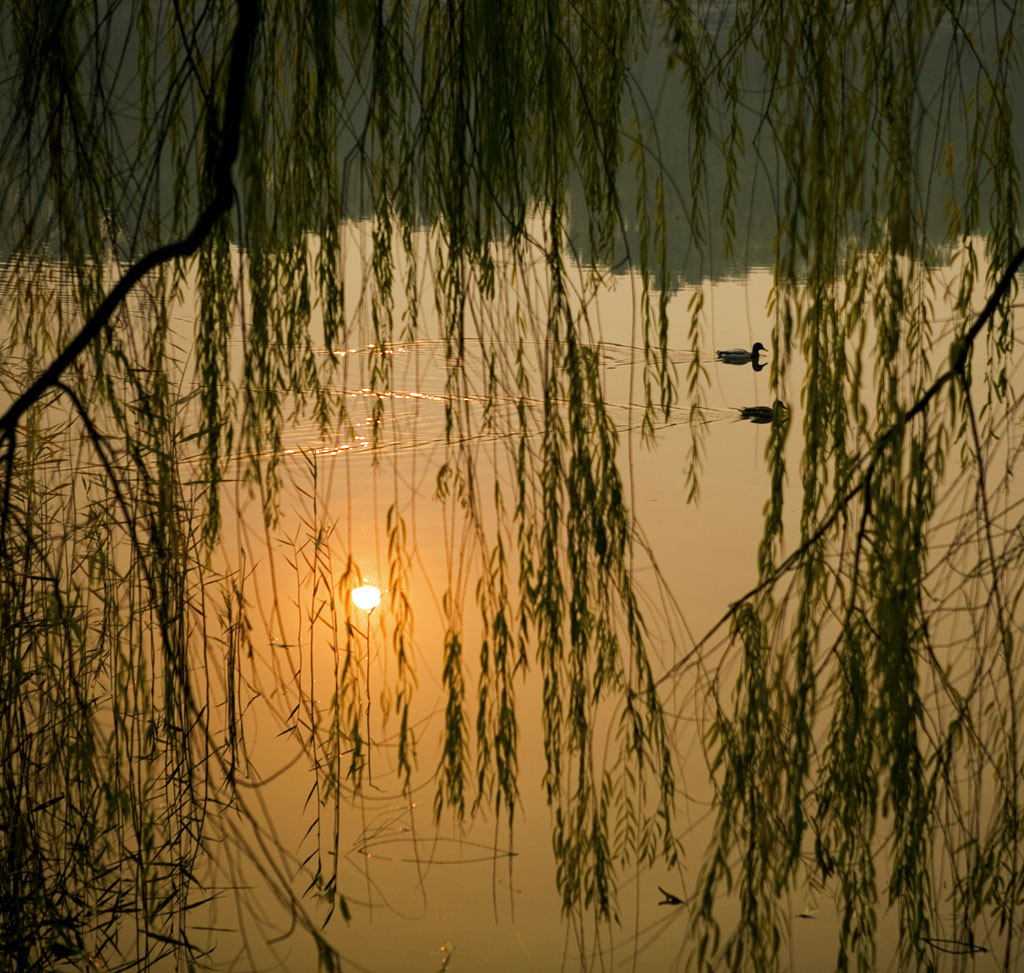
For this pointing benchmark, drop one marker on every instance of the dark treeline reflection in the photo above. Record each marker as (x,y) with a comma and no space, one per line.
(221,223)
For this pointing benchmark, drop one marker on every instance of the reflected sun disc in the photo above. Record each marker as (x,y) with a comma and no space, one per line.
(366,596)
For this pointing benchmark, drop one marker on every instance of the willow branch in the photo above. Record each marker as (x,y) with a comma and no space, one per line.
(957,368)
(221,201)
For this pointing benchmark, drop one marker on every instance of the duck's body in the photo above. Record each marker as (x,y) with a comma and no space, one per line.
(757,413)
(764,413)
(740,356)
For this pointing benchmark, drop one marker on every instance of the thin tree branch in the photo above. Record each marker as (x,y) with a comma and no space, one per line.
(958,366)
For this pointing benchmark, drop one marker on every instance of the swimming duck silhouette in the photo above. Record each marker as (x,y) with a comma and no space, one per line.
(740,356)
(757,413)
(762,414)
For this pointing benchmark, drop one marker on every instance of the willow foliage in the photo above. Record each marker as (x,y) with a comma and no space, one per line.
(151,150)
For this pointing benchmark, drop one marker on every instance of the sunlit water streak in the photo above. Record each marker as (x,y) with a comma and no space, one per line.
(414,419)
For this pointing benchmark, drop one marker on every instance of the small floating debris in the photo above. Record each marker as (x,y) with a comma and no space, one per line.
(669,898)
